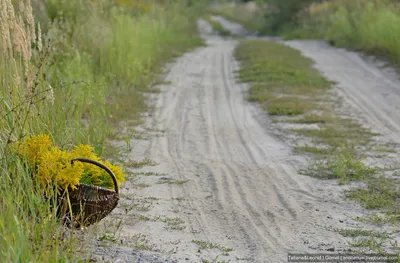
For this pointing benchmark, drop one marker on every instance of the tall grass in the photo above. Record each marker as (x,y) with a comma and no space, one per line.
(68,68)
(372,26)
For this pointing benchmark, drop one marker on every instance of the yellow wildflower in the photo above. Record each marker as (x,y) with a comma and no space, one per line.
(84,151)
(118,172)
(33,146)
(92,173)
(52,165)
(55,166)
(70,176)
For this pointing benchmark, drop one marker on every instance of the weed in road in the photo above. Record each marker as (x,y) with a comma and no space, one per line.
(179,198)
(171,181)
(348,232)
(344,167)
(141,185)
(175,223)
(137,204)
(215,260)
(381,192)
(370,243)
(314,150)
(142,163)
(141,242)
(144,218)
(209,245)
(149,173)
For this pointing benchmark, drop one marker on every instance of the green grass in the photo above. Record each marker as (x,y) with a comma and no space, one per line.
(380,192)
(345,167)
(95,66)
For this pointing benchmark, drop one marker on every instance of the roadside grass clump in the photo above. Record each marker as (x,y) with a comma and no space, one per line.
(319,151)
(141,242)
(174,223)
(344,167)
(165,180)
(380,192)
(349,232)
(73,70)
(369,244)
(364,239)
(142,163)
(388,217)
(214,260)
(217,27)
(210,245)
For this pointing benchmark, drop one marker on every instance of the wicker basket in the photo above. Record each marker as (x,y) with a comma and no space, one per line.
(88,204)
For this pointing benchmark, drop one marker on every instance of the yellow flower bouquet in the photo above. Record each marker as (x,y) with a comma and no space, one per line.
(83,181)
(51,165)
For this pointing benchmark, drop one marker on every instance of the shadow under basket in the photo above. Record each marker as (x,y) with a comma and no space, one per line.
(88,204)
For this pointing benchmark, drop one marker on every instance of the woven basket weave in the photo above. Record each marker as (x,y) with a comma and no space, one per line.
(88,204)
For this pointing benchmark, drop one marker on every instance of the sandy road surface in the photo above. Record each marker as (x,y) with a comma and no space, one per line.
(242,190)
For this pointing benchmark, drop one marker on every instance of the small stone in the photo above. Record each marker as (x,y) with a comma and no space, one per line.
(341,220)
(332,249)
(330,217)
(317,210)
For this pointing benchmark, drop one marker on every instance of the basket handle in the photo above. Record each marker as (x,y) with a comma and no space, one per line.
(85,160)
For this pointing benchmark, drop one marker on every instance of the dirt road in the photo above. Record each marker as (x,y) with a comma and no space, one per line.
(231,189)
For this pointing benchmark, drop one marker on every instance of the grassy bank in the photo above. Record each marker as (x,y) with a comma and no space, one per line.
(370,26)
(299,100)
(73,69)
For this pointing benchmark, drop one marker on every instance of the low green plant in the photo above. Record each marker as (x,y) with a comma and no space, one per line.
(210,245)
(345,167)
(347,232)
(381,192)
